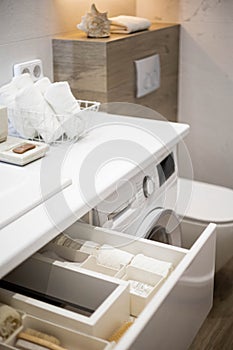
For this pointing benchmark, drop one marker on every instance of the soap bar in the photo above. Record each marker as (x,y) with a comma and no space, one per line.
(24,148)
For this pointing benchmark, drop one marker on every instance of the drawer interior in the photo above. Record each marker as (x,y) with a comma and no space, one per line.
(71,297)
(82,293)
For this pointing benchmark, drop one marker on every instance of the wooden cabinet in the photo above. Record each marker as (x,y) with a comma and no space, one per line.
(104,69)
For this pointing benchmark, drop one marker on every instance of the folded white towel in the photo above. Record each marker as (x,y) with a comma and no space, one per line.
(159,267)
(43,84)
(37,115)
(7,98)
(61,99)
(90,247)
(112,257)
(22,81)
(128,24)
(31,99)
(7,94)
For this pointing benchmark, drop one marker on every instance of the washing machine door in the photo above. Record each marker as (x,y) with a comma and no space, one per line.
(161,225)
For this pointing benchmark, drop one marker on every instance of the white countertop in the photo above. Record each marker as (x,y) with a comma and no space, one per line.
(38,201)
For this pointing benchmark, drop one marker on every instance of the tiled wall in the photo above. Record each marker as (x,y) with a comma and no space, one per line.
(26,27)
(206,80)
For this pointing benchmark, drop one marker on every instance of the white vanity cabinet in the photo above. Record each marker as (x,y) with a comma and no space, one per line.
(168,319)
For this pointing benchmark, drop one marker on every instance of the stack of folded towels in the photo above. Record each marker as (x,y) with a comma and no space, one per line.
(44,108)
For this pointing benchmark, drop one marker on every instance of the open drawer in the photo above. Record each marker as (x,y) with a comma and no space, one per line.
(169,318)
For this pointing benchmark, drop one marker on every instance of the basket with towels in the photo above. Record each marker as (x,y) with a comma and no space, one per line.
(45,111)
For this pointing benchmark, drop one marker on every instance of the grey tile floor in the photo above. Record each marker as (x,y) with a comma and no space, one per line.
(216,332)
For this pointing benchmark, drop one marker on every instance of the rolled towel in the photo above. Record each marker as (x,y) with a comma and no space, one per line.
(43,84)
(61,99)
(90,247)
(112,257)
(128,24)
(7,94)
(10,320)
(7,98)
(159,267)
(37,115)
(22,81)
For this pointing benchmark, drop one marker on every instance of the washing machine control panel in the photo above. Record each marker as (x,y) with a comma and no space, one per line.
(148,186)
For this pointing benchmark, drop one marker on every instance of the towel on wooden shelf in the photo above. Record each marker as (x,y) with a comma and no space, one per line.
(128,24)
(112,257)
(61,99)
(159,267)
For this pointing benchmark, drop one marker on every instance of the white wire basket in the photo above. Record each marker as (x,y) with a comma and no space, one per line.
(53,128)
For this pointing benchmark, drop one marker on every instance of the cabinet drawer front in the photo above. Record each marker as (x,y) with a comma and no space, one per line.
(173,317)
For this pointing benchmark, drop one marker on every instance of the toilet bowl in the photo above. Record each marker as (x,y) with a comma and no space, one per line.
(207,203)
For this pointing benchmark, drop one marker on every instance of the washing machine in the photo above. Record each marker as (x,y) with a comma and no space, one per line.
(139,206)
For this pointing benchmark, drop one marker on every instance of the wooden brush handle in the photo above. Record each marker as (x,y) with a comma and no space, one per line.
(39,341)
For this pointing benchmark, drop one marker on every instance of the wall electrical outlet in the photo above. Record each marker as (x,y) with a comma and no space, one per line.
(34,68)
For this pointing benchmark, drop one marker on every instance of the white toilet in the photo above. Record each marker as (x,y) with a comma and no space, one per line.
(208,203)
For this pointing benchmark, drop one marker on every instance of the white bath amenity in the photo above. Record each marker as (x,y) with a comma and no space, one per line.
(61,99)
(23,80)
(153,265)
(90,247)
(43,84)
(40,117)
(113,257)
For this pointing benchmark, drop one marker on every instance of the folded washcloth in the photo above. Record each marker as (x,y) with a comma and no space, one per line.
(128,24)
(61,99)
(22,81)
(112,257)
(90,247)
(43,84)
(159,267)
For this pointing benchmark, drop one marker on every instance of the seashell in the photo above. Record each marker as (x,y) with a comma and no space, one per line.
(95,24)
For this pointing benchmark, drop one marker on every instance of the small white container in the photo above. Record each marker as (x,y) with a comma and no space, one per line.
(3,124)
(92,264)
(108,299)
(139,300)
(67,253)
(70,340)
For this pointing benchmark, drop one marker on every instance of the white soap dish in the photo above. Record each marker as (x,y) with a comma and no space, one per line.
(12,145)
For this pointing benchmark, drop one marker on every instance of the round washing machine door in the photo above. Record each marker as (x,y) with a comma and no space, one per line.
(161,225)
